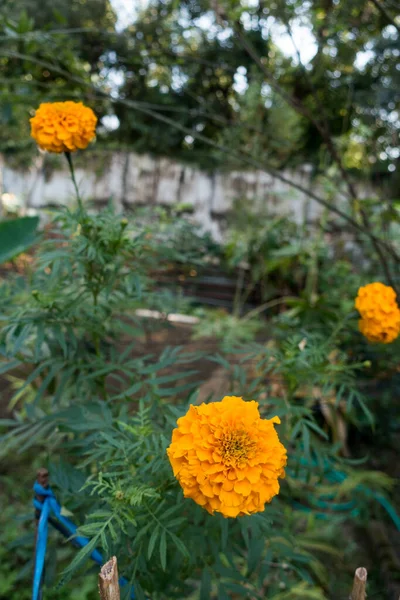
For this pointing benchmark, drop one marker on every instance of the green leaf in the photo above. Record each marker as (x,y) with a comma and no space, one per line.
(205,591)
(152,542)
(179,389)
(317,429)
(9,366)
(78,561)
(255,553)
(177,521)
(46,381)
(34,374)
(104,542)
(224,533)
(179,545)
(163,550)
(222,595)
(306,440)
(16,236)
(174,377)
(22,337)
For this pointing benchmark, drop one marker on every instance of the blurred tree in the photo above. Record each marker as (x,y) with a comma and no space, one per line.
(46,48)
(174,60)
(215,70)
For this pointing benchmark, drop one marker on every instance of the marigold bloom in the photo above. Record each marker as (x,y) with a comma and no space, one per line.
(380,314)
(63,126)
(226,457)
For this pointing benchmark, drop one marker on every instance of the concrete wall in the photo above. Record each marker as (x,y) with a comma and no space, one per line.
(130,179)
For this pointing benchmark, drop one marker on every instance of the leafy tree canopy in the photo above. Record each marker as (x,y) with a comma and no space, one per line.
(190,72)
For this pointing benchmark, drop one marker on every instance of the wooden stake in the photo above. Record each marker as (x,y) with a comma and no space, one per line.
(108,580)
(360,581)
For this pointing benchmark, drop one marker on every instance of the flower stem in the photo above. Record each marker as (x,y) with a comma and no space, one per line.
(72,171)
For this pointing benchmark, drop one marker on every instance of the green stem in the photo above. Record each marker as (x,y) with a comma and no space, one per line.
(72,171)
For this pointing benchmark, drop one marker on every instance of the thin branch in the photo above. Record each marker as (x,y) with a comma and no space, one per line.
(67,31)
(247,158)
(385,13)
(378,250)
(72,172)
(270,304)
(323,125)
(296,104)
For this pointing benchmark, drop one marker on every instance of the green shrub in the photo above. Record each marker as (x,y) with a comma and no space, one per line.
(100,415)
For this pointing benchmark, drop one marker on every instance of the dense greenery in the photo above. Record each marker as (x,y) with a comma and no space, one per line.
(100,414)
(92,389)
(182,77)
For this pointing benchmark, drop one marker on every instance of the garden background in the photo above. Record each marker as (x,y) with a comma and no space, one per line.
(243,185)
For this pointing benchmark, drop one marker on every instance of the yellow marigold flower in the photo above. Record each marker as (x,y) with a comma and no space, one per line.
(63,126)
(226,457)
(380,314)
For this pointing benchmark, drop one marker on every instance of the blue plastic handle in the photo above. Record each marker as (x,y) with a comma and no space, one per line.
(50,507)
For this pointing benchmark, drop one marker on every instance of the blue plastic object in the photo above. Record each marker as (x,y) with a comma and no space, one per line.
(50,509)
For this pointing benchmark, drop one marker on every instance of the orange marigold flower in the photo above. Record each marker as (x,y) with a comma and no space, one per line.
(226,457)
(63,126)
(380,314)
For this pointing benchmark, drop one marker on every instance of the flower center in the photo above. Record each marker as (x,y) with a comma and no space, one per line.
(236,447)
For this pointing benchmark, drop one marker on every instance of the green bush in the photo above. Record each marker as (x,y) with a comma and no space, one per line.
(101,417)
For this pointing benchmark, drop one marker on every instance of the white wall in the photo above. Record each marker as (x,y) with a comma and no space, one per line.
(131,179)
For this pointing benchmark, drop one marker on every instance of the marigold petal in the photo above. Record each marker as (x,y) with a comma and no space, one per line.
(63,126)
(243,487)
(253,474)
(204,454)
(226,457)
(380,314)
(229,511)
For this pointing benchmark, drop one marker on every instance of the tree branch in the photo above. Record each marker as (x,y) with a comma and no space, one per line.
(385,13)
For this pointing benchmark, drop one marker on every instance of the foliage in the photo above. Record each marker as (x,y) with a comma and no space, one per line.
(16,236)
(103,414)
(225,327)
(37,33)
(88,397)
(16,543)
(300,272)
(192,78)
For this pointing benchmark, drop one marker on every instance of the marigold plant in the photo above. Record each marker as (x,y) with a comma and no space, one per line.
(63,126)
(380,314)
(226,457)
